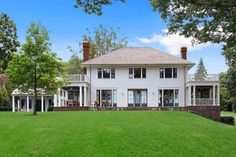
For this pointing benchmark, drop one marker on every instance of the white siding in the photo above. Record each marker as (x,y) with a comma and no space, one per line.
(152,83)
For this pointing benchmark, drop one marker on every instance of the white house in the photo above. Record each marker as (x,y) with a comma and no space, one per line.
(129,77)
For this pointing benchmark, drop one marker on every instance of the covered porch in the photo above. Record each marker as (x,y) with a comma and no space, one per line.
(203,92)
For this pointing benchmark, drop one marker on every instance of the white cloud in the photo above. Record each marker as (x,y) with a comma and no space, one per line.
(172,42)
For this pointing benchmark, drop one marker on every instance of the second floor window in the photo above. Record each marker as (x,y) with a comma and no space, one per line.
(168,72)
(137,72)
(106,73)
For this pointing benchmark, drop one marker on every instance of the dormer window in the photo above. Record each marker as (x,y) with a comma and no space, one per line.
(106,73)
(168,72)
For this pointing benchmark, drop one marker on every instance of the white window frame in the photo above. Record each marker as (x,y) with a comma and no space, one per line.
(172,73)
(102,69)
(132,76)
(162,89)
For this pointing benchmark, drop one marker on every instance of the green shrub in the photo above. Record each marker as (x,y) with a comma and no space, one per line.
(50,108)
(4,98)
(227,120)
(5,109)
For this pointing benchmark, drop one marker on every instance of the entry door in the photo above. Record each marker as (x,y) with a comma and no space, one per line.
(137,98)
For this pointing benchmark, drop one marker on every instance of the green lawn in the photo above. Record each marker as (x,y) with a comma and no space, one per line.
(114,133)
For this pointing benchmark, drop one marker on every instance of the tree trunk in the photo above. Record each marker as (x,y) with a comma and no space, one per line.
(35,91)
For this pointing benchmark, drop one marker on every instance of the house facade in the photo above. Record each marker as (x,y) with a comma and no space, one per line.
(129,77)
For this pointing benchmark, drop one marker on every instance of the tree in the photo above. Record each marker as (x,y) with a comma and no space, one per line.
(94,7)
(224,93)
(8,40)
(73,65)
(104,40)
(4,98)
(35,67)
(201,72)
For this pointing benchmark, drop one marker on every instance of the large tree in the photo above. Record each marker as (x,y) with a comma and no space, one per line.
(201,72)
(73,65)
(104,40)
(35,67)
(8,40)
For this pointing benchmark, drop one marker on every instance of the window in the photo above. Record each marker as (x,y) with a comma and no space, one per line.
(106,73)
(174,72)
(137,72)
(161,73)
(168,97)
(137,97)
(168,72)
(99,73)
(106,97)
(113,74)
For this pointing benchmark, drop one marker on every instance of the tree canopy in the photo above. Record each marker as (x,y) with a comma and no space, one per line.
(73,65)
(35,67)
(104,40)
(8,40)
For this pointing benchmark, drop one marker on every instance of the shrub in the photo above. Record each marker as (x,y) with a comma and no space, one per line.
(5,109)
(50,108)
(234,108)
(228,120)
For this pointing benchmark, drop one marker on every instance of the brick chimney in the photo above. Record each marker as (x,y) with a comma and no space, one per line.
(86,46)
(184,53)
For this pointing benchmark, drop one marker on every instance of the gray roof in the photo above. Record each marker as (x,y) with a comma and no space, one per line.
(137,56)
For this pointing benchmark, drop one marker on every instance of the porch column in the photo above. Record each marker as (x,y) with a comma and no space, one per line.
(194,95)
(214,95)
(59,98)
(85,96)
(218,95)
(80,95)
(18,105)
(42,110)
(189,96)
(13,103)
(27,104)
(55,100)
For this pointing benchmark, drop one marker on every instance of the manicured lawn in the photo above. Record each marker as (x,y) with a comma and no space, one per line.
(114,133)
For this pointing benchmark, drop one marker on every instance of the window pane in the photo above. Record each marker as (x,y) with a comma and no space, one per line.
(99,73)
(106,73)
(174,72)
(130,98)
(97,103)
(176,97)
(143,96)
(137,72)
(114,98)
(130,72)
(161,73)
(106,97)
(113,73)
(160,97)
(169,97)
(144,73)
(168,72)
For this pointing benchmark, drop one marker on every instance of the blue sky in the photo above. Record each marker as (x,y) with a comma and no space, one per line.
(135,19)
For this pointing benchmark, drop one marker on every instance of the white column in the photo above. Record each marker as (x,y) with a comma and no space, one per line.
(189,96)
(162,94)
(18,105)
(194,95)
(27,104)
(46,104)
(214,95)
(55,100)
(80,95)
(59,97)
(85,96)
(13,103)
(218,95)
(42,110)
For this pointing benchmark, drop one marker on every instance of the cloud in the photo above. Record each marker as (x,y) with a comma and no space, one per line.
(172,42)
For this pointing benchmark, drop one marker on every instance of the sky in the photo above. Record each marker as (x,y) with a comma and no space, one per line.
(135,19)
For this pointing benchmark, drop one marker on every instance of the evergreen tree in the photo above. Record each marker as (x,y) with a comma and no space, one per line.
(201,72)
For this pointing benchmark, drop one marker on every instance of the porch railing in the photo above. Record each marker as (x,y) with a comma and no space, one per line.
(77,78)
(209,77)
(204,101)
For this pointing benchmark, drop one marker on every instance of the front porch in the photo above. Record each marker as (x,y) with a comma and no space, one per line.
(203,92)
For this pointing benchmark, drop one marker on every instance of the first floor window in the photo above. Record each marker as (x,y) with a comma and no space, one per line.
(137,97)
(106,97)
(168,97)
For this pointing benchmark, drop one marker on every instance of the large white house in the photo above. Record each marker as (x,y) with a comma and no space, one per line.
(129,77)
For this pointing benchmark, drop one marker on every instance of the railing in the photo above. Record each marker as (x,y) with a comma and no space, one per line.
(204,101)
(209,77)
(77,78)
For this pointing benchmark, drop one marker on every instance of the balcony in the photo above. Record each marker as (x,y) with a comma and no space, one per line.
(76,78)
(209,77)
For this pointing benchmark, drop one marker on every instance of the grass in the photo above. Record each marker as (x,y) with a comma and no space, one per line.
(114,133)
